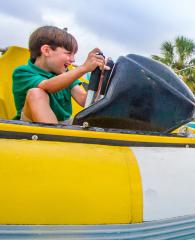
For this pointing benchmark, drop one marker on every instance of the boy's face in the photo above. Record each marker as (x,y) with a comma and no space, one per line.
(59,59)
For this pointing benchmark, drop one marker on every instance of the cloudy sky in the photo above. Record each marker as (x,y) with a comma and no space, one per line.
(118,27)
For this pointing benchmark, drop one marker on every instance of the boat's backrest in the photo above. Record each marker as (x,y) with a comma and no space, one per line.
(12,58)
(143,94)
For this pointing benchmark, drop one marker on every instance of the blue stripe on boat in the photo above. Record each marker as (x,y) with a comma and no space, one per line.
(191,124)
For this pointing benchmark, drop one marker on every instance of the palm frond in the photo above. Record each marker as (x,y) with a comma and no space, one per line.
(180,57)
(167,50)
(184,48)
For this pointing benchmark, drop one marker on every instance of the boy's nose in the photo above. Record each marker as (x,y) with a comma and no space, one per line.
(72,58)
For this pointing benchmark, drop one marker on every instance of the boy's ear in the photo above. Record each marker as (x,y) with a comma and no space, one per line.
(45,50)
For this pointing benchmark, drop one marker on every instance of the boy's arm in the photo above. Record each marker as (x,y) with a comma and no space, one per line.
(79,95)
(61,81)
(64,80)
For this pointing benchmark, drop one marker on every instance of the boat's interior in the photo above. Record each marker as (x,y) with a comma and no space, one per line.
(139,94)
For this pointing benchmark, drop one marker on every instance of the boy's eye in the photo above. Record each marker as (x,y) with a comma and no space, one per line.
(69,53)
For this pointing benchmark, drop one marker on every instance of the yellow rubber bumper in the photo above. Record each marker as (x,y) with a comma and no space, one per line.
(46,182)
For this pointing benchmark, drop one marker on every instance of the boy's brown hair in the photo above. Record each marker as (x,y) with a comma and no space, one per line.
(52,36)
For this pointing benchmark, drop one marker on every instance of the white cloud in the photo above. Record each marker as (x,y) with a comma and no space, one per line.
(14,31)
(118,28)
(87,40)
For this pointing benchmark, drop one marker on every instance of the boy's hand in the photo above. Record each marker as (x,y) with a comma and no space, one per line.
(95,60)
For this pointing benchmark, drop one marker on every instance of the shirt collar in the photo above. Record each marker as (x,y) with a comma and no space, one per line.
(40,70)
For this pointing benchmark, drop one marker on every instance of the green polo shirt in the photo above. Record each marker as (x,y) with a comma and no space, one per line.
(29,76)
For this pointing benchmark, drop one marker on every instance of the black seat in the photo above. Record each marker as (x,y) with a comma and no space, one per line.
(143,94)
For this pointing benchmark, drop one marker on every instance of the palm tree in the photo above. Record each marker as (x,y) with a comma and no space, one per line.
(180,57)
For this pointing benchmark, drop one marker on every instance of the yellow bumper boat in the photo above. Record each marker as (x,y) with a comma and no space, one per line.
(119,172)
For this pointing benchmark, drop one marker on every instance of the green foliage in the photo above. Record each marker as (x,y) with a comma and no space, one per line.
(179,55)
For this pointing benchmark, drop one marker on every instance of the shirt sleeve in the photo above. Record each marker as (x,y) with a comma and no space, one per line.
(24,80)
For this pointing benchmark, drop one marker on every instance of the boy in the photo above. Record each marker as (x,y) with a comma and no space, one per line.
(43,88)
